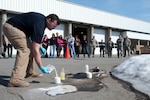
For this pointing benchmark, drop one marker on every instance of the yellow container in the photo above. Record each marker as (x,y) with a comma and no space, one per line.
(62,74)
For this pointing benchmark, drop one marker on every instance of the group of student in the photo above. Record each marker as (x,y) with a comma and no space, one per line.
(58,44)
(123,46)
(81,46)
(76,46)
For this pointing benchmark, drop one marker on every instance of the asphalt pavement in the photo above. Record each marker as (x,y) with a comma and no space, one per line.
(113,89)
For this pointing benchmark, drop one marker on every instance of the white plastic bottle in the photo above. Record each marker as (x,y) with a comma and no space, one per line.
(62,74)
(86,68)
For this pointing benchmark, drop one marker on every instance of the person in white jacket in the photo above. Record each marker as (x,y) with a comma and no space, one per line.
(71,40)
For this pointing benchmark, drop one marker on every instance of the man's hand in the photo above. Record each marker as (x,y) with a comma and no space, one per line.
(45,70)
(43,50)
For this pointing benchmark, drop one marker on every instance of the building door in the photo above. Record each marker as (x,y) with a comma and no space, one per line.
(80,31)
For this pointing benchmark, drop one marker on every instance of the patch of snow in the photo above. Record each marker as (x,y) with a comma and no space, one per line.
(135,70)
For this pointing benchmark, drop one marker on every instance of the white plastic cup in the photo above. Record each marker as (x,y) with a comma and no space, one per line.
(89,75)
(57,80)
(86,68)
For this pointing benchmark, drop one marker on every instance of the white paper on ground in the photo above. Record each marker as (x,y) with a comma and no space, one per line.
(53,91)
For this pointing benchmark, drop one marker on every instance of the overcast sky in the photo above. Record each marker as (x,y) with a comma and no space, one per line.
(137,9)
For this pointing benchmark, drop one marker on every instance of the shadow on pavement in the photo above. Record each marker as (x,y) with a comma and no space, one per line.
(82,83)
(4,80)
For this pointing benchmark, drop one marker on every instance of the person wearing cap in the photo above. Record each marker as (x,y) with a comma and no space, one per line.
(25,32)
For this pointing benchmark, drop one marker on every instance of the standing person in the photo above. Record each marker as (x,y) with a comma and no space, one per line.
(77,45)
(53,42)
(9,50)
(85,49)
(5,42)
(59,45)
(120,46)
(127,46)
(45,43)
(64,46)
(25,32)
(71,41)
(7,47)
(57,36)
(102,48)
(93,44)
(109,45)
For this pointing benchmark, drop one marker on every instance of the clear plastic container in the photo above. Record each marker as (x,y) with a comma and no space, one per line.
(50,67)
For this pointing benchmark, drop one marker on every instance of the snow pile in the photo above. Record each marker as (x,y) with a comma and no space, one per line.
(135,70)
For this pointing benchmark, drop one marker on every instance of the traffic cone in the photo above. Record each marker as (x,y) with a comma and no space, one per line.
(67,55)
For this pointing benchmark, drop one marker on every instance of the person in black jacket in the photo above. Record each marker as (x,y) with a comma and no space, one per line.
(52,43)
(85,49)
(102,48)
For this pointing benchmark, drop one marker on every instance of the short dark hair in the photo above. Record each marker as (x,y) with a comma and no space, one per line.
(54,17)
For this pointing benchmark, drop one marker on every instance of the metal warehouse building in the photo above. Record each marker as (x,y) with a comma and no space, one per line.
(77,19)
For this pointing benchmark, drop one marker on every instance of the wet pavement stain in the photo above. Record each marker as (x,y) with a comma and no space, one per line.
(82,83)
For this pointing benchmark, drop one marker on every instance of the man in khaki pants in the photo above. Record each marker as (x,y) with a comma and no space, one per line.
(25,32)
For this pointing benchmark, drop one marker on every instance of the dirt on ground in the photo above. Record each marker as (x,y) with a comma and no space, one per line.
(128,86)
(84,84)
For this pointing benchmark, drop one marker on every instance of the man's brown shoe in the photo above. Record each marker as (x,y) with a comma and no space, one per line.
(18,83)
(34,75)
